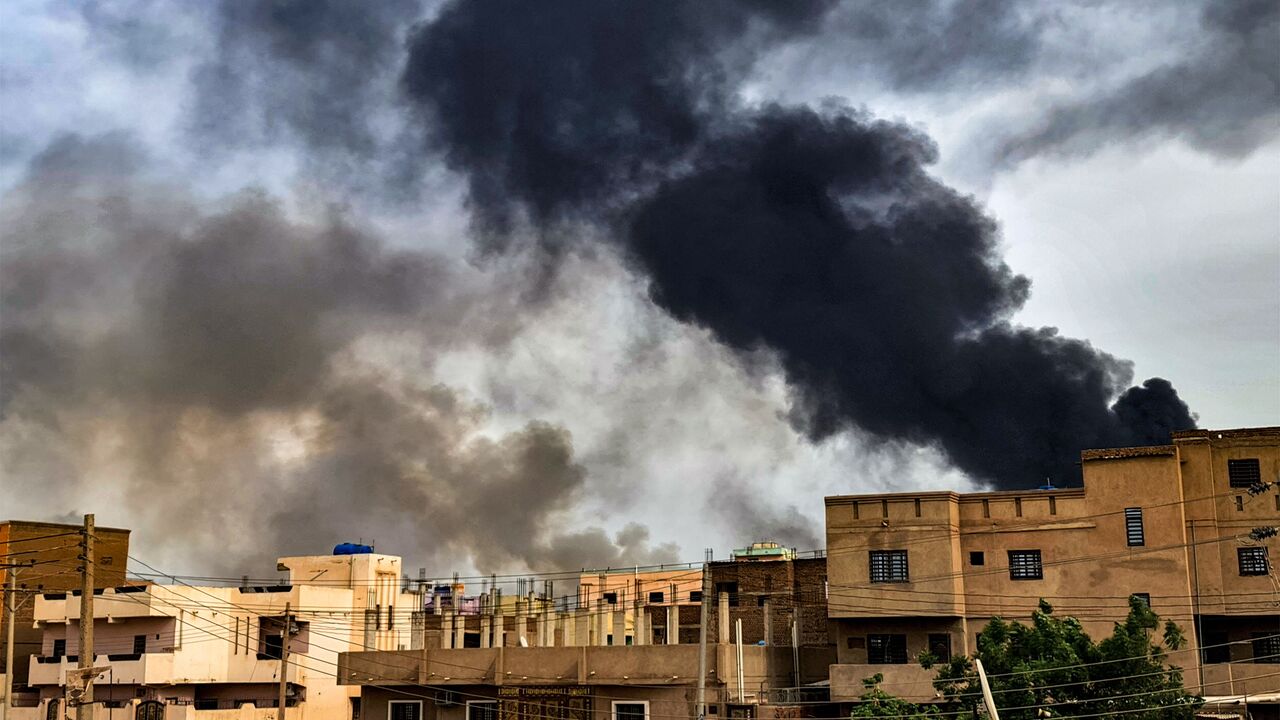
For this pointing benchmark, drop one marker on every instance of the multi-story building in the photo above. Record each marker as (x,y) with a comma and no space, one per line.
(916,572)
(44,557)
(626,649)
(175,651)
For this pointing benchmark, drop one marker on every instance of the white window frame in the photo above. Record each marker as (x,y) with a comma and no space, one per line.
(494,703)
(391,703)
(613,707)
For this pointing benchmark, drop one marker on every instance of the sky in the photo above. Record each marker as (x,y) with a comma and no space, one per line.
(591,284)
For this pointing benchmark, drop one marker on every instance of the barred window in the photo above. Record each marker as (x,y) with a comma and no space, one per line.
(1133,526)
(1244,473)
(889,566)
(1025,565)
(1144,598)
(1253,560)
(1266,647)
(887,649)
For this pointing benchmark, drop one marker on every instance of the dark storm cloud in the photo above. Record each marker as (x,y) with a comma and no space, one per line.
(817,235)
(1221,94)
(184,348)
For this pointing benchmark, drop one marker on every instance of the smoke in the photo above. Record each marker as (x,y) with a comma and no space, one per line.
(1221,95)
(238,377)
(816,235)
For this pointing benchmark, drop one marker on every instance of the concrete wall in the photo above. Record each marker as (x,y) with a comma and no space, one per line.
(1187,562)
(111,550)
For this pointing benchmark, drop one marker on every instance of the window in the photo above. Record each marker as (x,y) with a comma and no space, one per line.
(404,710)
(695,596)
(355,708)
(482,710)
(59,648)
(986,508)
(977,558)
(1144,598)
(1243,473)
(51,712)
(1017,507)
(1253,560)
(139,644)
(856,514)
(1266,647)
(940,646)
(917,507)
(1025,565)
(611,598)
(1053,505)
(655,597)
(631,710)
(1133,527)
(1216,648)
(888,566)
(762,600)
(887,649)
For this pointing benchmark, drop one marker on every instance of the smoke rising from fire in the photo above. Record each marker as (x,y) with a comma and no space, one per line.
(816,234)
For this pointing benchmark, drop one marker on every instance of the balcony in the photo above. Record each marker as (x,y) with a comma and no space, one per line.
(250,669)
(125,670)
(909,681)
(110,604)
(1238,678)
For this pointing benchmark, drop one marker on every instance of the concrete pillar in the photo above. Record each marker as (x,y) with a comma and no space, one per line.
(446,630)
(459,630)
(499,635)
(642,627)
(673,624)
(619,627)
(582,626)
(521,624)
(722,615)
(486,628)
(768,622)
(601,623)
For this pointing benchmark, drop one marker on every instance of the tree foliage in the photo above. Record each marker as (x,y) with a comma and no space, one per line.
(876,703)
(1052,668)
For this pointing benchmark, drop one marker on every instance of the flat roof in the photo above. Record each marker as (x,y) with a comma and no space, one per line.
(955,496)
(1128,452)
(60,526)
(1233,434)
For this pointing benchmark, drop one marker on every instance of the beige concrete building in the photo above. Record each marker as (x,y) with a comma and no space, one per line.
(214,653)
(911,572)
(43,557)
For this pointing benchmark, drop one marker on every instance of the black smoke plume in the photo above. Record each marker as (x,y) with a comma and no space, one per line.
(816,234)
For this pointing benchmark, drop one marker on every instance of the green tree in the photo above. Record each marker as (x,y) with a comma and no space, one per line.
(876,703)
(1052,668)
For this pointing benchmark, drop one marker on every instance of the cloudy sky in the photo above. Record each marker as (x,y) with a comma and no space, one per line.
(584,284)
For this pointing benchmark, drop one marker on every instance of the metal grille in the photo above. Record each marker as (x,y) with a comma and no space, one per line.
(887,649)
(1253,560)
(1025,565)
(1133,526)
(889,566)
(1244,473)
(1266,647)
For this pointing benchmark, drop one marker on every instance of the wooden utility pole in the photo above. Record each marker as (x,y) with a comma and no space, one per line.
(84,708)
(11,609)
(284,659)
(702,646)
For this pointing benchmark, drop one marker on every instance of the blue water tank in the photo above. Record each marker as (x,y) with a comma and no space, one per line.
(348,548)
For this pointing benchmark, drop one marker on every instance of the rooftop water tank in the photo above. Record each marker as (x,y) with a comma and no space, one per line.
(348,548)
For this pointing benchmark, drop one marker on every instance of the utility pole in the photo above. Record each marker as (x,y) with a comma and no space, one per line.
(284,658)
(987,699)
(702,648)
(10,611)
(84,708)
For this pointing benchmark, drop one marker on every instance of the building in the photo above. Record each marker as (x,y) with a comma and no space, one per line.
(627,647)
(43,557)
(177,651)
(916,572)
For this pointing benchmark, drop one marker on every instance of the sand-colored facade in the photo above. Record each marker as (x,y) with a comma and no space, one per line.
(1165,522)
